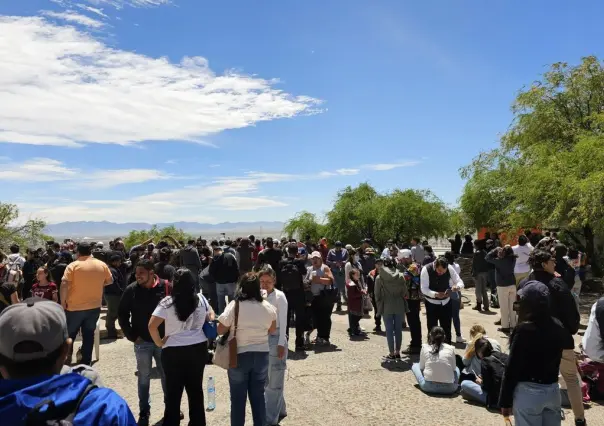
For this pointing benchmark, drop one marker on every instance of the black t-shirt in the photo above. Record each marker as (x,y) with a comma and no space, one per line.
(6,290)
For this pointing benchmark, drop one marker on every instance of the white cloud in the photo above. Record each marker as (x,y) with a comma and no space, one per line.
(74,17)
(61,86)
(248,203)
(347,172)
(389,166)
(171,161)
(49,170)
(118,4)
(90,9)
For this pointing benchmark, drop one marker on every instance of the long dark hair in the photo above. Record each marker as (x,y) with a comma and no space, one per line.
(436,339)
(248,288)
(184,298)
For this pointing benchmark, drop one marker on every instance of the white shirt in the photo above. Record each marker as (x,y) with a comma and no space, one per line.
(439,367)
(279,301)
(593,346)
(424,278)
(522,255)
(182,333)
(255,318)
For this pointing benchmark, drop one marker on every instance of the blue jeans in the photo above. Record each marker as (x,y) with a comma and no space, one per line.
(536,404)
(273,391)
(435,387)
(473,392)
(145,353)
(455,306)
(248,379)
(340,282)
(222,291)
(85,320)
(394,332)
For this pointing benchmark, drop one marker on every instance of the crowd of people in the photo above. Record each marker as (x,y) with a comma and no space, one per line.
(172,301)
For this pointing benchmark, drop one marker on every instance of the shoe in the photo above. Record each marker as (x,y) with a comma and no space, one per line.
(326,342)
(390,357)
(362,329)
(397,356)
(504,330)
(460,339)
(300,348)
(477,307)
(143,420)
(377,329)
(307,338)
(111,333)
(497,322)
(580,422)
(486,309)
(405,327)
(412,350)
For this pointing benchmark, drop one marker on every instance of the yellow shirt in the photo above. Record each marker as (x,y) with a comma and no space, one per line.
(87,278)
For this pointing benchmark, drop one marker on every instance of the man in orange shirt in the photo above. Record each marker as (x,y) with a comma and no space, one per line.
(81,296)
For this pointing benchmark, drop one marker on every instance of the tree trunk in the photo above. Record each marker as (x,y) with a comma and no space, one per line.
(590,250)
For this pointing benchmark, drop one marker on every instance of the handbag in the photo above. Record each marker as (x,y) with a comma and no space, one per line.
(226,346)
(367,305)
(209,327)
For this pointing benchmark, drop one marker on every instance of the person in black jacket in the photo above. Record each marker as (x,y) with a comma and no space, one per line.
(486,388)
(224,270)
(270,255)
(135,309)
(530,384)
(565,310)
(480,272)
(504,260)
(290,280)
(113,294)
(189,258)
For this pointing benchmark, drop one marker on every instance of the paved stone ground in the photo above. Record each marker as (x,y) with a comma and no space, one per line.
(346,385)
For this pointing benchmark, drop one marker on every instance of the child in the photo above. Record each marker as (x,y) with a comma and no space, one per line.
(44,288)
(356,295)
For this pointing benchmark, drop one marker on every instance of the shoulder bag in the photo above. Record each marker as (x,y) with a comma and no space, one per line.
(226,347)
(209,327)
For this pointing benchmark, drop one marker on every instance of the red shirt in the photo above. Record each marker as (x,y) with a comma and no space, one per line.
(44,291)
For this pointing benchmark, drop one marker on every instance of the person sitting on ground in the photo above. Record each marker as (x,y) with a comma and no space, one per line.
(486,387)
(390,292)
(436,371)
(470,364)
(530,384)
(357,292)
(33,349)
(44,288)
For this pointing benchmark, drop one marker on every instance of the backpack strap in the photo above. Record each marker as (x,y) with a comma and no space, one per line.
(38,417)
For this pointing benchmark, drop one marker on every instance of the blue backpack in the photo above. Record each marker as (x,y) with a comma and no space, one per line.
(46,413)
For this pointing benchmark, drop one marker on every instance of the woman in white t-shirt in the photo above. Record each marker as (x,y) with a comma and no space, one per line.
(257,319)
(437,372)
(184,347)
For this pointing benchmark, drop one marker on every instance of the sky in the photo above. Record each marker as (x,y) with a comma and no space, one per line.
(195,110)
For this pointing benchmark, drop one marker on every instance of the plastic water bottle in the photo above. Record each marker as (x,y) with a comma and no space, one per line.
(211,394)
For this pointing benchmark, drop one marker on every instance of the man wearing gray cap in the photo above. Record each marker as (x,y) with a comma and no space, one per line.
(33,348)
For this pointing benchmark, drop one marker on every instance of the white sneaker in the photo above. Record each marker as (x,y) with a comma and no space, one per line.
(460,339)
(307,338)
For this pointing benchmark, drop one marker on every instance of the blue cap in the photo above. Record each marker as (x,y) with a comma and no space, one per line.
(534,290)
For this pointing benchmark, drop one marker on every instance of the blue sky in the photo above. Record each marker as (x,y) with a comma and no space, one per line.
(159,111)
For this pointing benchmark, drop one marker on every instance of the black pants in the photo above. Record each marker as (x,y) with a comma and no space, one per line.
(353,323)
(322,306)
(183,366)
(296,304)
(377,318)
(437,314)
(414,323)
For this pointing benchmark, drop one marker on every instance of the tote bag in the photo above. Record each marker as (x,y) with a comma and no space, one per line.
(226,347)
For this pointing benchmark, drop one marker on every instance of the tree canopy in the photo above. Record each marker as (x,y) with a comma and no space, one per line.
(549,168)
(28,234)
(361,212)
(156,234)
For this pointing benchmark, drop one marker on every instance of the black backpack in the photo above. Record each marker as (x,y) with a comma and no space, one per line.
(53,416)
(290,277)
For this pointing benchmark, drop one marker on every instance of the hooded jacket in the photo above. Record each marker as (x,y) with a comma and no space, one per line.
(189,258)
(100,406)
(390,292)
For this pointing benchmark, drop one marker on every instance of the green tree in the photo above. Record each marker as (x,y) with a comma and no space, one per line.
(549,168)
(27,234)
(303,224)
(156,234)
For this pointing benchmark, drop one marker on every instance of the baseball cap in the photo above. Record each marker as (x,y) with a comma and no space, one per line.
(316,254)
(36,320)
(405,254)
(349,247)
(534,291)
(338,243)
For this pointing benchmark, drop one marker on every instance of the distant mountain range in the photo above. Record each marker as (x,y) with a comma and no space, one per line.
(104,228)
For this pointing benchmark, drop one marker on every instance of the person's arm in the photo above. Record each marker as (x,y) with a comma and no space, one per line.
(486,377)
(330,261)
(282,312)
(492,258)
(154,324)
(456,283)
(424,278)
(14,297)
(326,280)
(378,290)
(516,358)
(226,319)
(108,275)
(65,283)
(273,327)
(123,314)
(55,295)
(422,360)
